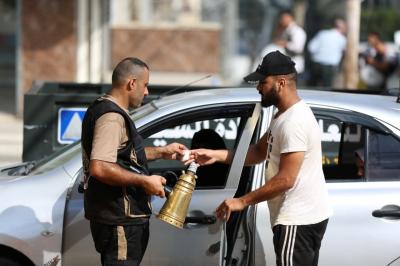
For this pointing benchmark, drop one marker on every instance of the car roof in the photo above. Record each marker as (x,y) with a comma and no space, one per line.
(382,107)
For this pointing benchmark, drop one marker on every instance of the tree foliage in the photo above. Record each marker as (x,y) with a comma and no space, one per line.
(383,20)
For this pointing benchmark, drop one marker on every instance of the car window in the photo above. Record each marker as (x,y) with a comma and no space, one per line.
(356,152)
(353,140)
(330,136)
(383,159)
(217,133)
(340,140)
(226,128)
(208,128)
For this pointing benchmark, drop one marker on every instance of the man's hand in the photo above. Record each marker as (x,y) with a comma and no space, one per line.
(204,156)
(173,151)
(224,210)
(153,185)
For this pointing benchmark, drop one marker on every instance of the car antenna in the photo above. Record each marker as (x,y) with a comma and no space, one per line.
(183,86)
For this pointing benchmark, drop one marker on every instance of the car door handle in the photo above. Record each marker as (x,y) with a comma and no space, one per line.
(205,219)
(388,211)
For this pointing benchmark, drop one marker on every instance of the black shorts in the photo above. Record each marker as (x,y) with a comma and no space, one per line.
(298,245)
(120,245)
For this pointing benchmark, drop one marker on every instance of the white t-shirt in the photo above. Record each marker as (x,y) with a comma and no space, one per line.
(327,47)
(307,201)
(296,37)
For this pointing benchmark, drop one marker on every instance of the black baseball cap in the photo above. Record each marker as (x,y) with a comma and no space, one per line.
(273,64)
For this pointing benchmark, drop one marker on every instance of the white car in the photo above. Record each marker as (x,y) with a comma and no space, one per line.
(41,205)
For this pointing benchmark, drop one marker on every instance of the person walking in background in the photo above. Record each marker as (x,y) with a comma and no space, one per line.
(295,185)
(117,184)
(377,63)
(288,38)
(326,50)
(292,38)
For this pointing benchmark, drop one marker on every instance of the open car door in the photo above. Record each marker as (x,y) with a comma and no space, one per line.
(198,243)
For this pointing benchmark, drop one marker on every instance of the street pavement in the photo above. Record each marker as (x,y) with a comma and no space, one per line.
(11,132)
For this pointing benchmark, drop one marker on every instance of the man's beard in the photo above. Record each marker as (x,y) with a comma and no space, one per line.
(271,98)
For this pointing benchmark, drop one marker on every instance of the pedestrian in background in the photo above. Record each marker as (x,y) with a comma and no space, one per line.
(292,38)
(117,182)
(377,63)
(288,38)
(326,50)
(295,185)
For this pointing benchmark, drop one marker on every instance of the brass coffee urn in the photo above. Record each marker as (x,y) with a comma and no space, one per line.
(176,206)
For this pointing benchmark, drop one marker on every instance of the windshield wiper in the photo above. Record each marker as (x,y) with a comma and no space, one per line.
(23,169)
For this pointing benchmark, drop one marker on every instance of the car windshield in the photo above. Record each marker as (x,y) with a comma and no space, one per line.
(57,158)
(72,150)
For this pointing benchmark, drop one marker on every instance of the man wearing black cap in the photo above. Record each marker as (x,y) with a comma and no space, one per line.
(295,185)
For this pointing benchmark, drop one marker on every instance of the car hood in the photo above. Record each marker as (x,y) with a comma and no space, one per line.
(33,210)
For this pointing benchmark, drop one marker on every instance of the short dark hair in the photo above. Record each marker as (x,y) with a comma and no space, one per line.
(291,77)
(334,21)
(376,34)
(286,12)
(127,67)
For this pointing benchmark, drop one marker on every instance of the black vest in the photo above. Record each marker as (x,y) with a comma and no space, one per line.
(114,204)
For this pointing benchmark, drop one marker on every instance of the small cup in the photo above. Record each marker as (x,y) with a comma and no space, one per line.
(185,156)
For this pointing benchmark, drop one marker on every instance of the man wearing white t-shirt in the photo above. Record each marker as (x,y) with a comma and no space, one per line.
(295,186)
(326,50)
(292,38)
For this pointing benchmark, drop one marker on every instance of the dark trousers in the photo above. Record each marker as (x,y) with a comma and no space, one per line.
(120,245)
(298,245)
(322,75)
